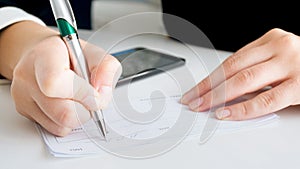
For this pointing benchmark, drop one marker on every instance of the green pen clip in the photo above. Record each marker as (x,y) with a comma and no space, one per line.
(65,28)
(64,17)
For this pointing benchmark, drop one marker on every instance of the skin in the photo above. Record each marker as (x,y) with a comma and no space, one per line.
(37,61)
(270,61)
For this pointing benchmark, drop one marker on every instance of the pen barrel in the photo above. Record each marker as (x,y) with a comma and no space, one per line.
(66,23)
(62,10)
(78,60)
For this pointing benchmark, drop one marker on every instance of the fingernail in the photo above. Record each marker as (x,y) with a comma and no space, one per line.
(196,103)
(222,113)
(186,98)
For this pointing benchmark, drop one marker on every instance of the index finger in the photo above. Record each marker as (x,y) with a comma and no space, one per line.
(105,69)
(244,58)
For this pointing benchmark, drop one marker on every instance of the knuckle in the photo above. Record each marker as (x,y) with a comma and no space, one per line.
(245,76)
(203,86)
(275,31)
(17,90)
(266,101)
(13,91)
(66,118)
(289,41)
(20,110)
(61,131)
(244,111)
(18,72)
(285,40)
(231,65)
(23,113)
(20,76)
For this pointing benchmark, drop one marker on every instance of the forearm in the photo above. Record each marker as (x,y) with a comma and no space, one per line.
(17,40)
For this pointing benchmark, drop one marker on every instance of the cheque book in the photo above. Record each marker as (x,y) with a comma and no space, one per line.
(175,124)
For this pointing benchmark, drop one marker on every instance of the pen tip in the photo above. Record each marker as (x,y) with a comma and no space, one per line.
(102,129)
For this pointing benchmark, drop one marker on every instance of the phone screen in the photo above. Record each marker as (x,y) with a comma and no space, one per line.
(139,63)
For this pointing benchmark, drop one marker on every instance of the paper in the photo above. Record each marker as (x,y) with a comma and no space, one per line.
(151,125)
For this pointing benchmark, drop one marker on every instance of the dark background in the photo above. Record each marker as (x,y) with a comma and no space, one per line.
(42,9)
(232,24)
(229,25)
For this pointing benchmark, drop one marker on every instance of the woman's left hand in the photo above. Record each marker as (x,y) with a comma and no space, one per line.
(272,60)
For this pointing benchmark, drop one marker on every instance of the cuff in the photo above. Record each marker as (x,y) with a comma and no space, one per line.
(11,15)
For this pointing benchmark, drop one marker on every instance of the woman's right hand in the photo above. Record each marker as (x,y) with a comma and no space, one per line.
(44,85)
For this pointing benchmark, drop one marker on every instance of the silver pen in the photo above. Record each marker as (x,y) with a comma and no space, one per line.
(66,24)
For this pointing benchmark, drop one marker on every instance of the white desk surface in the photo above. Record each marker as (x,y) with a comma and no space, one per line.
(273,147)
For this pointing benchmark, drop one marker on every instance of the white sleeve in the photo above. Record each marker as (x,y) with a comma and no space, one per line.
(11,15)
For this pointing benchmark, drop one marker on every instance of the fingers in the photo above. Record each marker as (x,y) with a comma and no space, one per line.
(46,90)
(267,102)
(105,69)
(258,64)
(107,72)
(48,124)
(30,110)
(274,33)
(57,80)
(241,60)
(62,112)
(68,85)
(53,118)
(253,53)
(246,81)
(105,77)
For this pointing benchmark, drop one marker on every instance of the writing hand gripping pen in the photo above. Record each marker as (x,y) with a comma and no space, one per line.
(66,24)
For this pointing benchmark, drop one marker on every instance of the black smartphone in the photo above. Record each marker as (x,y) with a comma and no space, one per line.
(140,62)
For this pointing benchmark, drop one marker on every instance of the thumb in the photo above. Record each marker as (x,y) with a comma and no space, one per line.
(68,85)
